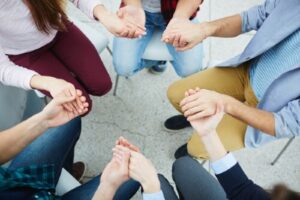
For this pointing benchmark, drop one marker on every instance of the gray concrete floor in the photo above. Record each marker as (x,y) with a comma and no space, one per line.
(141,106)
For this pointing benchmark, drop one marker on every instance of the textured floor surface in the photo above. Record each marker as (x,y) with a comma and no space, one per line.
(141,107)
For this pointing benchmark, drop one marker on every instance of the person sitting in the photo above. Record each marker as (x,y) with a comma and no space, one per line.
(39,148)
(155,15)
(40,49)
(194,182)
(258,88)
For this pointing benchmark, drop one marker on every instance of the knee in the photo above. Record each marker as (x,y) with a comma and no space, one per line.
(90,102)
(125,67)
(101,87)
(179,167)
(73,127)
(196,149)
(175,95)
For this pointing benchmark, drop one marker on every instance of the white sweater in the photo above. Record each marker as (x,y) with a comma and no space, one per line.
(19,34)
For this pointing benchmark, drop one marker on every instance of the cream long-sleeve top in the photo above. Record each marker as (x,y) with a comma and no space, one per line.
(19,34)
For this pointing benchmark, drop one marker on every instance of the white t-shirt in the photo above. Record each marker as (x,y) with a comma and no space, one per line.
(152,6)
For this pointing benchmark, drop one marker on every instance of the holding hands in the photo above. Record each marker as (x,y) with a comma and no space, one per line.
(128,22)
(56,114)
(127,162)
(73,100)
(204,109)
(184,34)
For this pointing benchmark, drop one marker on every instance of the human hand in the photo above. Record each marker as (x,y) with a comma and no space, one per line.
(125,143)
(184,34)
(117,24)
(204,109)
(58,87)
(55,114)
(142,170)
(135,19)
(116,171)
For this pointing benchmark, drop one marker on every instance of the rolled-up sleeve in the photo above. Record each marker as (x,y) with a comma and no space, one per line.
(14,75)
(87,6)
(253,18)
(287,120)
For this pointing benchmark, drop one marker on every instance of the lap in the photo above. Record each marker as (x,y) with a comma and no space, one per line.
(52,147)
(194,182)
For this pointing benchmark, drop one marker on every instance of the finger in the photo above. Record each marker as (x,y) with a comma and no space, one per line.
(176,40)
(74,103)
(200,115)
(191,105)
(69,104)
(194,110)
(187,47)
(124,33)
(78,99)
(186,94)
(138,26)
(191,91)
(188,99)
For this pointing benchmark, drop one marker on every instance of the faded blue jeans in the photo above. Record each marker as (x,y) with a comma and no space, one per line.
(56,146)
(127,53)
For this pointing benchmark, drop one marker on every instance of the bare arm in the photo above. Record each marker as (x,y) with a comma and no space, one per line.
(14,140)
(133,2)
(254,117)
(186,8)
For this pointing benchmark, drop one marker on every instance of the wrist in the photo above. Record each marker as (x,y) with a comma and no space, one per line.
(100,13)
(208,28)
(41,121)
(41,82)
(106,191)
(229,103)
(151,185)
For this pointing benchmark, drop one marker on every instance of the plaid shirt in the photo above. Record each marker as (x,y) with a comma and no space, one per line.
(168,8)
(40,178)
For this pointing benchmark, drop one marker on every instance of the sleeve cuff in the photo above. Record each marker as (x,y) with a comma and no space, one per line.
(222,165)
(154,196)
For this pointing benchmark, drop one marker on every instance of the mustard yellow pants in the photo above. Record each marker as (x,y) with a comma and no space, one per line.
(230,81)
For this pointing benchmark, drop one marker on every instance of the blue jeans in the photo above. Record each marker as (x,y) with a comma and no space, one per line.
(127,53)
(56,146)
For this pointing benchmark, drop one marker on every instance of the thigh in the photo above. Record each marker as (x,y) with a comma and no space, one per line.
(87,190)
(229,81)
(81,58)
(52,147)
(128,53)
(167,188)
(45,63)
(231,132)
(194,182)
(187,62)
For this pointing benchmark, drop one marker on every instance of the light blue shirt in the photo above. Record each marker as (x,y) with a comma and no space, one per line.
(154,196)
(276,61)
(222,165)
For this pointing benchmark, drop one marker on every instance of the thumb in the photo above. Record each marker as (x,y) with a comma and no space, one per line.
(120,13)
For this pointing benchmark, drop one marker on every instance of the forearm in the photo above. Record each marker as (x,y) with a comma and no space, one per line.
(254,117)
(186,8)
(133,2)
(225,27)
(14,140)
(40,82)
(104,192)
(213,146)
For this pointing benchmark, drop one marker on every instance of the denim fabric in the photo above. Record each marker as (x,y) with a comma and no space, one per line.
(127,53)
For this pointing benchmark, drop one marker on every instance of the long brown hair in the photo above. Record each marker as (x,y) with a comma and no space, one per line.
(281,192)
(48,14)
